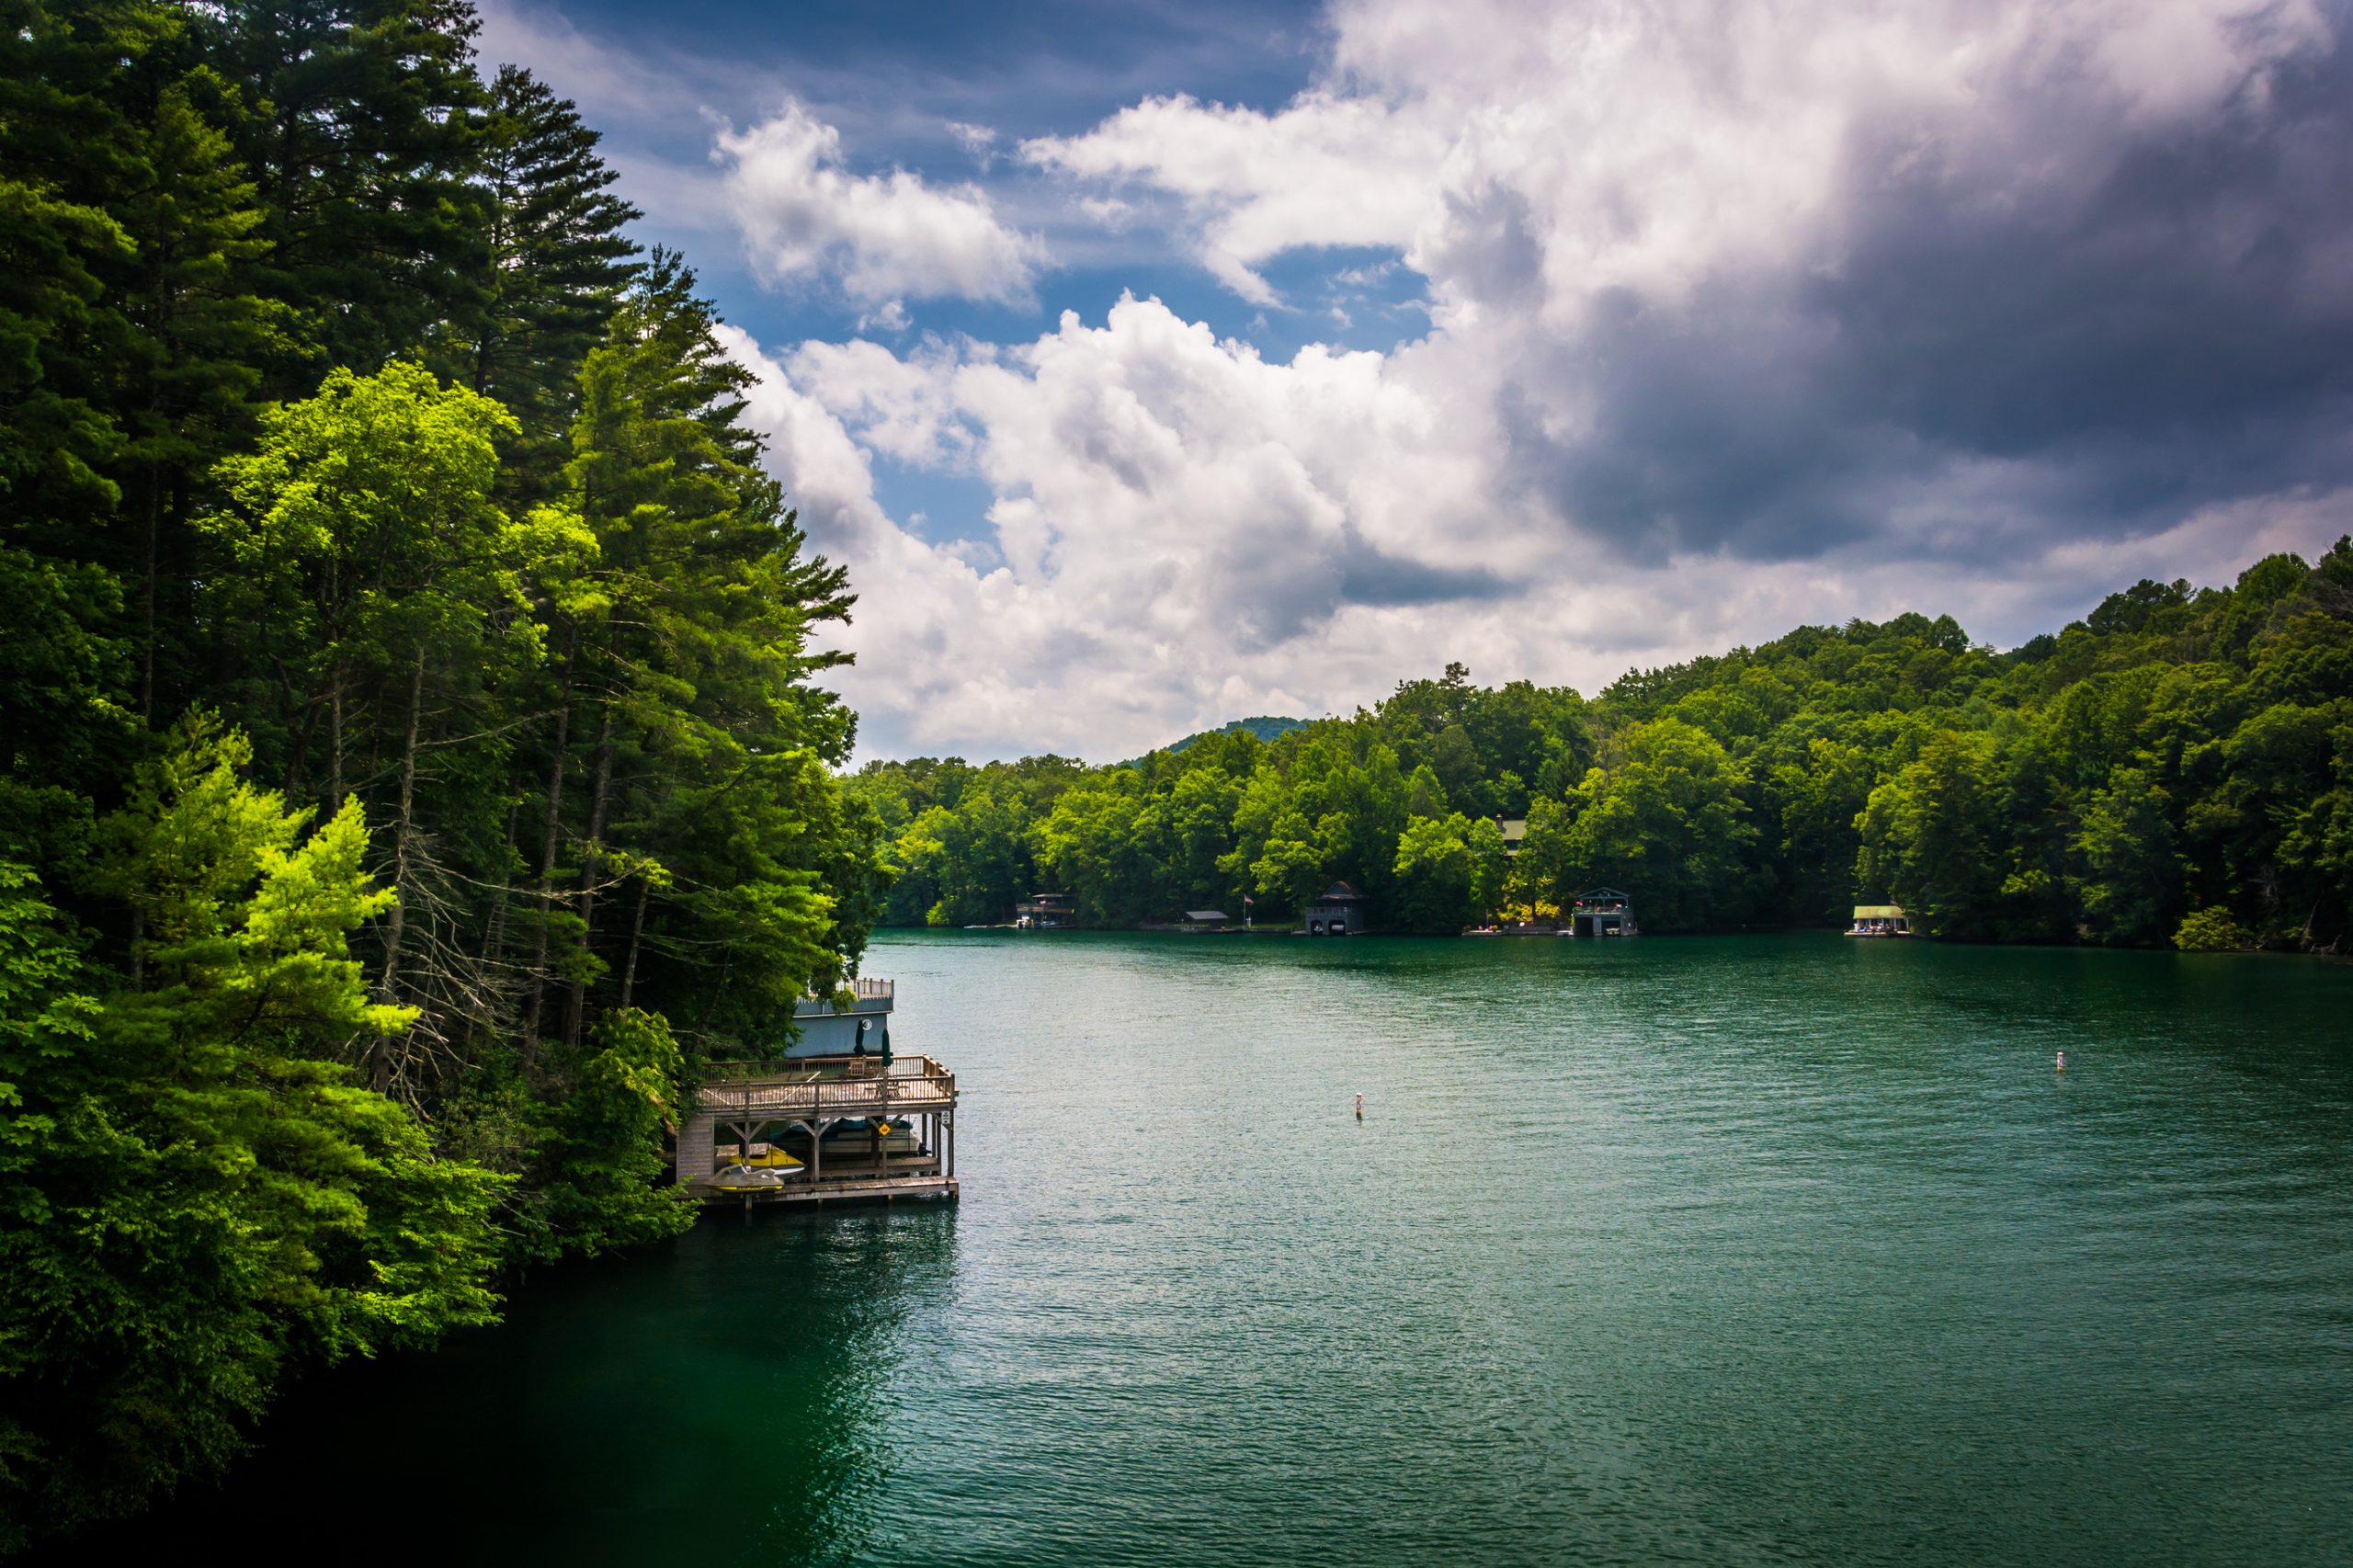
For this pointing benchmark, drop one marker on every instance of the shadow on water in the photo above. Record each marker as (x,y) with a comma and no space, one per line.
(724,1392)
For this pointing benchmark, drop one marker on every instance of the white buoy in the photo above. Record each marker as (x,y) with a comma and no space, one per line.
(2062,1061)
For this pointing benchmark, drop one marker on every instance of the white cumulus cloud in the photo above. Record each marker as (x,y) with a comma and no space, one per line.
(1740,316)
(881,238)
(1329,170)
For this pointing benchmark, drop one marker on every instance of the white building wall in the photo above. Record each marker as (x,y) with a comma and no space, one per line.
(824,1032)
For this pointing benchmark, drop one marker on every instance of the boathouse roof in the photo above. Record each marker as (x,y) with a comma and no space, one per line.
(1204,916)
(1339,893)
(1879,911)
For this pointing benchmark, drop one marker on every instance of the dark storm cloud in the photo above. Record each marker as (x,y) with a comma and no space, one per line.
(1708,431)
(2073,334)
(1270,597)
(1368,577)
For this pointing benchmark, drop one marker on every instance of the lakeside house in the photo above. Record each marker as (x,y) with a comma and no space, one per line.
(1338,911)
(1603,912)
(1514,832)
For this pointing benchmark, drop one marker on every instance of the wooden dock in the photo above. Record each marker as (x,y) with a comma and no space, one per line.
(799,1105)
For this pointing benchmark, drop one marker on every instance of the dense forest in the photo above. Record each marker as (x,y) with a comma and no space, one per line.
(2177,768)
(410,767)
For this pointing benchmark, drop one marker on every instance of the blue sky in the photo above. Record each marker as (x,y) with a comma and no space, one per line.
(896,79)
(1154,365)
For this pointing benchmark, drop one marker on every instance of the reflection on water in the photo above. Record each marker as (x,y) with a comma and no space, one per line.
(1773,1248)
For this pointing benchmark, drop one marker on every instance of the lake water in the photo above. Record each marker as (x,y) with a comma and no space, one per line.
(1758,1249)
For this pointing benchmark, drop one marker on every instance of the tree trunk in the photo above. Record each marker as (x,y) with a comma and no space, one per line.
(334,715)
(547,855)
(636,934)
(598,802)
(147,602)
(494,941)
(396,923)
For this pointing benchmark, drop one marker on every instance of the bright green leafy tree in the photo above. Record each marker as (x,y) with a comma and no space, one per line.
(195,1191)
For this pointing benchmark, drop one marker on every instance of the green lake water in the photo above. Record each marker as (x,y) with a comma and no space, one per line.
(1758,1249)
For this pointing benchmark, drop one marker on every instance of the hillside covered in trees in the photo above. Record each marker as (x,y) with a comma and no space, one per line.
(409,762)
(2176,767)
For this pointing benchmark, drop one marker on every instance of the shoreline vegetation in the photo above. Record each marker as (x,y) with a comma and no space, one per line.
(2174,769)
(413,768)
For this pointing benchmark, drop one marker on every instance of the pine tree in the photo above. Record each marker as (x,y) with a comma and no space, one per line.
(701,746)
(557,266)
(190,361)
(360,123)
(63,145)
(63,718)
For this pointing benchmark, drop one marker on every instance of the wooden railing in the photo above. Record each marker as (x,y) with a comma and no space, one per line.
(826,1086)
(861,990)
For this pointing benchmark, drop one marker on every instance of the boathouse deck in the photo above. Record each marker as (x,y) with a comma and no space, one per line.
(796,1104)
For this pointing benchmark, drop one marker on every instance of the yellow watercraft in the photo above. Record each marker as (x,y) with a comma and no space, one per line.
(746,1178)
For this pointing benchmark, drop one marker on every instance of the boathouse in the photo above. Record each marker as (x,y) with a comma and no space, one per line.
(839,1116)
(1045,912)
(1880,920)
(1338,911)
(1602,912)
(1205,920)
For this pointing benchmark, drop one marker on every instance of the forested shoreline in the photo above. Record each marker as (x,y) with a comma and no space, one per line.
(2175,769)
(413,763)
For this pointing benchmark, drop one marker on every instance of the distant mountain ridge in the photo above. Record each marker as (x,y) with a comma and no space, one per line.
(1266,726)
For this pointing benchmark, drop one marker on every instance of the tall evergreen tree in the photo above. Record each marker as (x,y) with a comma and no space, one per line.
(191,358)
(63,718)
(697,741)
(360,125)
(556,264)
